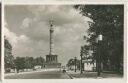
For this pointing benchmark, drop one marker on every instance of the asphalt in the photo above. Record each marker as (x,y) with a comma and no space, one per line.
(40,75)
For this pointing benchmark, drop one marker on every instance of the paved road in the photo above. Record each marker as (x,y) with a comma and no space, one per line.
(55,74)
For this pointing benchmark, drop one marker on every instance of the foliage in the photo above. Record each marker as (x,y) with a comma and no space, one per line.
(20,63)
(39,61)
(8,59)
(71,62)
(28,62)
(108,20)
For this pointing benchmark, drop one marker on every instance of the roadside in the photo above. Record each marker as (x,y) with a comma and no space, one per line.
(77,75)
(26,72)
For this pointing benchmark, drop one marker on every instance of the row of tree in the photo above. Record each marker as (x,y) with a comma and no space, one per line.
(28,62)
(108,20)
(20,63)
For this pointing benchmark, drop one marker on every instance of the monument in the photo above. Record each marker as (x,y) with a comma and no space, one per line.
(51,58)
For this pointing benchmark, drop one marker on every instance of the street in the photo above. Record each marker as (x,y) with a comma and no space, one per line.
(53,74)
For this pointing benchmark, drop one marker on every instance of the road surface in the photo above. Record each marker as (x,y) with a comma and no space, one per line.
(54,74)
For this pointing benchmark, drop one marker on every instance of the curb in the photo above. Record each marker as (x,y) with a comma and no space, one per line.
(20,73)
(70,76)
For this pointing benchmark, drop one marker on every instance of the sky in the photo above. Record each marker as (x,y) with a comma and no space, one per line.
(27,29)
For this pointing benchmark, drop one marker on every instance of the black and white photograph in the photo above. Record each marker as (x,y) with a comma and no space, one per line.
(75,41)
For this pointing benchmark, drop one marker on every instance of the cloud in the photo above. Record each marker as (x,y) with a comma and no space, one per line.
(26,23)
(30,32)
(10,35)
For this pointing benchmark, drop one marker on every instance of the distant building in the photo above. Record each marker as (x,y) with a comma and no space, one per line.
(89,65)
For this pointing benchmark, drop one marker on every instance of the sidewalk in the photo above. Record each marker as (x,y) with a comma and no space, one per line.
(41,70)
(77,75)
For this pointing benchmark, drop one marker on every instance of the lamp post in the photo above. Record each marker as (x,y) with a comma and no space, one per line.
(100,38)
(75,63)
(81,54)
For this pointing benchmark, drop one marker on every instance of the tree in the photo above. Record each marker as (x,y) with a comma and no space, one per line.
(108,20)
(39,61)
(8,57)
(29,62)
(20,63)
(71,62)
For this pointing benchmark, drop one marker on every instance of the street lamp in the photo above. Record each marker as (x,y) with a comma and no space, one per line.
(81,54)
(75,63)
(100,38)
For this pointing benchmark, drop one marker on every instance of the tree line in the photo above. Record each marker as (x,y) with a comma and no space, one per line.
(20,63)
